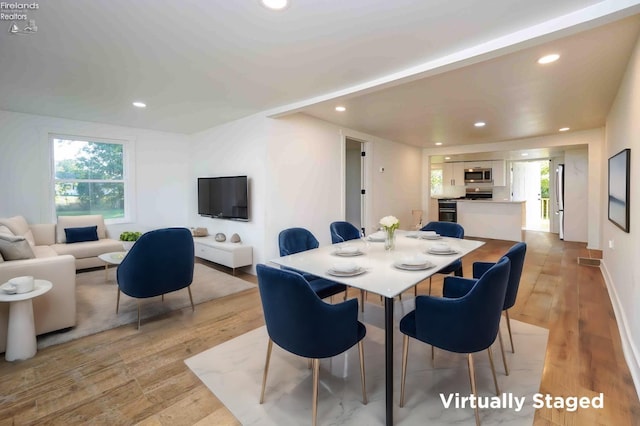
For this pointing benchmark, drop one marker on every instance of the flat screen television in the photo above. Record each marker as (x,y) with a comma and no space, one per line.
(223,197)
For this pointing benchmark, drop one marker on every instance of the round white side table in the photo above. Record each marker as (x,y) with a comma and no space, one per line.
(112,258)
(21,332)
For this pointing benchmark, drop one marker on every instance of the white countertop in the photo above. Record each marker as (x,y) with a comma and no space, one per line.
(491,201)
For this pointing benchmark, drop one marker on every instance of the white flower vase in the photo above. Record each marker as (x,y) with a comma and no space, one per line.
(127,245)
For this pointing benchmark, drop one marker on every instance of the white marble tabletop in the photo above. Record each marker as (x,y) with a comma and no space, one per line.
(380,276)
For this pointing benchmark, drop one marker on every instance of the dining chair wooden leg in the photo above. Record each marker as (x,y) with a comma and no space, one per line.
(362,376)
(193,308)
(429,286)
(415,291)
(472,379)
(513,350)
(309,363)
(345,294)
(266,370)
(316,374)
(118,301)
(493,370)
(363,294)
(405,355)
(504,359)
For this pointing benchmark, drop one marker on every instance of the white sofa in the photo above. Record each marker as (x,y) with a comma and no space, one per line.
(54,261)
(86,253)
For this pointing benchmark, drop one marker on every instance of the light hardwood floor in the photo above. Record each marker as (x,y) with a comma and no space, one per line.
(125,376)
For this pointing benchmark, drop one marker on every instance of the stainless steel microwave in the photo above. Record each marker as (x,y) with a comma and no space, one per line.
(477,175)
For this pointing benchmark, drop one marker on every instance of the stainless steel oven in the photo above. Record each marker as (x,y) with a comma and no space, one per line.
(477,175)
(447,211)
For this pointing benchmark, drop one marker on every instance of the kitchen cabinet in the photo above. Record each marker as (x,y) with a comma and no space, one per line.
(477,164)
(498,173)
(453,174)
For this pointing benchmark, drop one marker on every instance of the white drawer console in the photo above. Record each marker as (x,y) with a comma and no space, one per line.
(232,255)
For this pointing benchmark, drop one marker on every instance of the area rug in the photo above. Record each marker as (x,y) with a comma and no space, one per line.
(96,301)
(233,372)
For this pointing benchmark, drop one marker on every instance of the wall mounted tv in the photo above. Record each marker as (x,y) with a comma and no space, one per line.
(223,197)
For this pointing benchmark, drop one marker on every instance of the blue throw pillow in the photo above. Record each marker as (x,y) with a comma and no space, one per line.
(79,235)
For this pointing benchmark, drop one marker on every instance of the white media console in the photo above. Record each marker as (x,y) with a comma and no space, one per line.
(232,255)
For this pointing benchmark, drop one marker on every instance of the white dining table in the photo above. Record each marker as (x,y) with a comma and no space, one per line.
(380,275)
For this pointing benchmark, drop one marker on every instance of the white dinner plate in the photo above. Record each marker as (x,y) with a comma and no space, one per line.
(431,237)
(400,265)
(347,253)
(353,273)
(442,253)
(376,239)
(424,235)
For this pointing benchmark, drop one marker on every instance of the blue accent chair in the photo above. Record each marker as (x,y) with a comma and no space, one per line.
(301,323)
(161,261)
(343,231)
(466,324)
(446,229)
(516,255)
(296,240)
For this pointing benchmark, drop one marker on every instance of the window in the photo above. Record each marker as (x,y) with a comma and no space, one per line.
(436,182)
(90,177)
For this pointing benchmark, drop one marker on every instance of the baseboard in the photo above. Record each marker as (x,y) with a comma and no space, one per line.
(628,348)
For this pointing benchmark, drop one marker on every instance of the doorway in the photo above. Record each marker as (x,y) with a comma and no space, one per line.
(354,182)
(530,182)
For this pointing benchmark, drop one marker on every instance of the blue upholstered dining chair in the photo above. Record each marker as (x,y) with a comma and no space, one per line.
(296,240)
(343,231)
(446,229)
(301,323)
(466,324)
(516,255)
(161,261)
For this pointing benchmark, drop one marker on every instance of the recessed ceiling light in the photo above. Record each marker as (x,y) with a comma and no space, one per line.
(447,158)
(564,129)
(139,104)
(524,154)
(549,58)
(438,143)
(341,109)
(480,124)
(275,4)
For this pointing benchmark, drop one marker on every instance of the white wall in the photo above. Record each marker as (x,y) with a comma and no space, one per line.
(233,149)
(296,168)
(161,167)
(621,264)
(576,191)
(306,181)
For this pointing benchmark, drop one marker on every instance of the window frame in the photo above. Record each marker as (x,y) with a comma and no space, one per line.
(433,168)
(127,173)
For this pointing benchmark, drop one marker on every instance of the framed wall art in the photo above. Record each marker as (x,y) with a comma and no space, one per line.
(619,180)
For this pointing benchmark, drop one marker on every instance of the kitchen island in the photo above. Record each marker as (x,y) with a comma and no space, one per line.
(500,220)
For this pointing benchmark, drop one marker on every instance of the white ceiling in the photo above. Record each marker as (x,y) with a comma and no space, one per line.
(441,64)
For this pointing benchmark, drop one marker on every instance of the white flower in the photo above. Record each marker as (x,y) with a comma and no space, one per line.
(390,222)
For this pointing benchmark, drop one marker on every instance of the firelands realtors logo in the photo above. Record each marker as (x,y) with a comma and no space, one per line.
(18,14)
